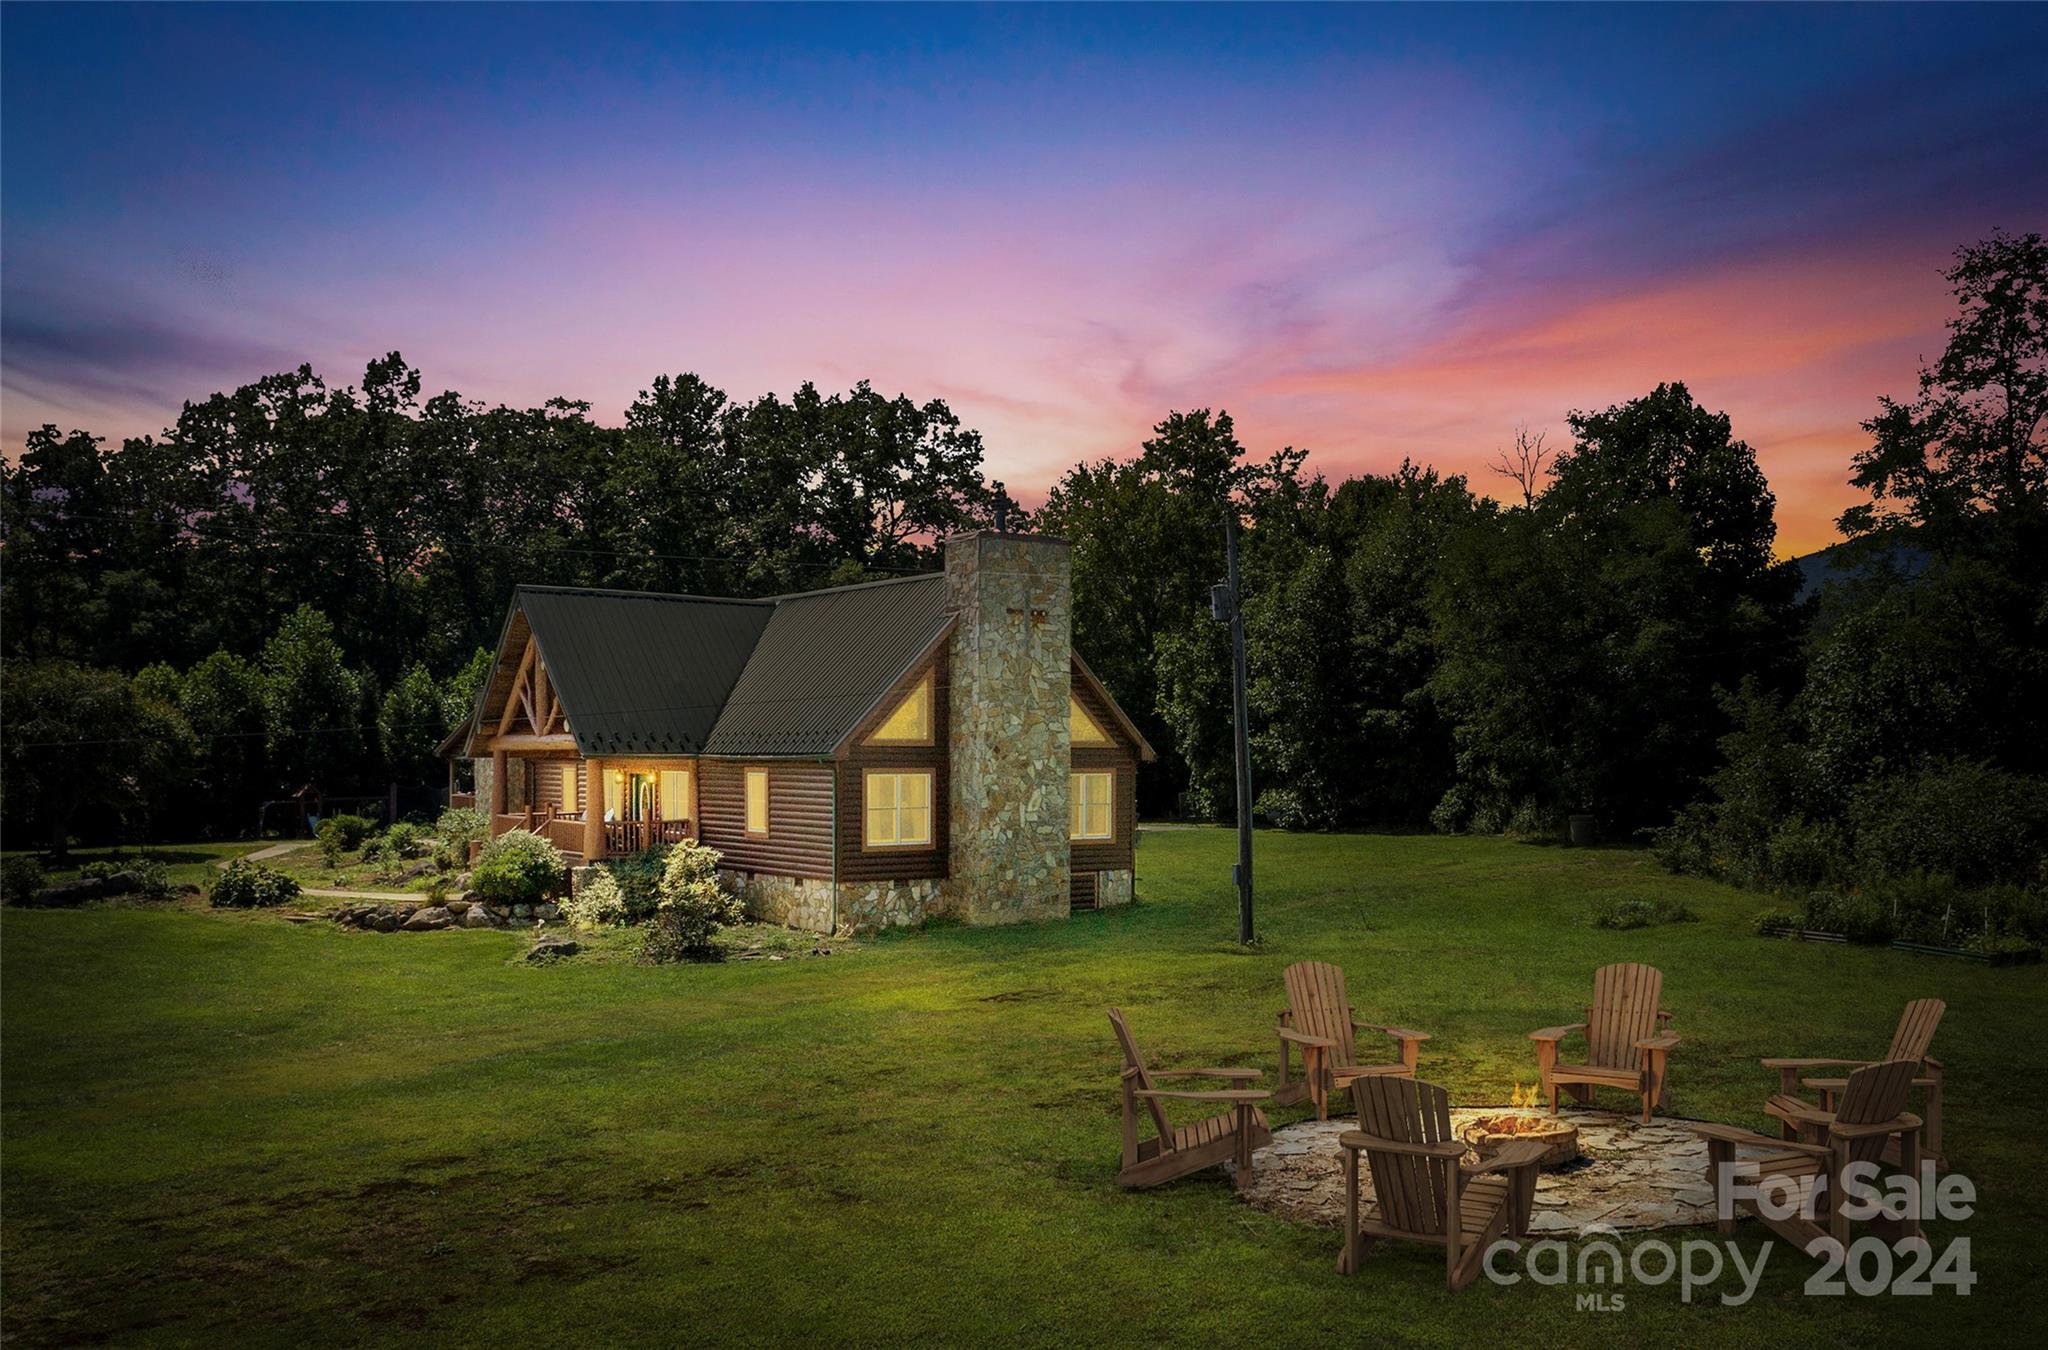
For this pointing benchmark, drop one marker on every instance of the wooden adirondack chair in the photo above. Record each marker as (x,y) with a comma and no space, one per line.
(1172,1153)
(1871,1118)
(1423,1191)
(1319,1019)
(1910,1041)
(1627,1040)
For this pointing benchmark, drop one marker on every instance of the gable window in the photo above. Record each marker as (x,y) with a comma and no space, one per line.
(1089,796)
(569,788)
(674,798)
(757,801)
(910,722)
(897,808)
(1081,728)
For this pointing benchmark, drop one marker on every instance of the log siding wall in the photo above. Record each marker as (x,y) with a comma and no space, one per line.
(858,863)
(1121,758)
(799,838)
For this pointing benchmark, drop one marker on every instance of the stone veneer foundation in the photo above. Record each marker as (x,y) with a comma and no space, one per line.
(1012,662)
(1113,888)
(863,906)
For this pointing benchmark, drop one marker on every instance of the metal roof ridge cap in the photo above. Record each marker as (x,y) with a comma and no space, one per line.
(853,586)
(611,593)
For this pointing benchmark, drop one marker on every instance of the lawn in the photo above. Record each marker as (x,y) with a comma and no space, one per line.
(185,864)
(226,1126)
(350,872)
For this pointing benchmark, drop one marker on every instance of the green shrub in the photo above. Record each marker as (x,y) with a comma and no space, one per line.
(1978,824)
(639,879)
(1686,845)
(251,885)
(693,907)
(404,840)
(1636,911)
(351,830)
(2003,945)
(152,879)
(461,826)
(1286,809)
(519,868)
(437,891)
(1802,855)
(342,834)
(598,904)
(1859,918)
(21,879)
(1775,921)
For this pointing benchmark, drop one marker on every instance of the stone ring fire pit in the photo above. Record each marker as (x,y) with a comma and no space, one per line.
(1560,1138)
(1611,1173)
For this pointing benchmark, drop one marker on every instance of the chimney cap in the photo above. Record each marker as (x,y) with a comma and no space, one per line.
(1020,536)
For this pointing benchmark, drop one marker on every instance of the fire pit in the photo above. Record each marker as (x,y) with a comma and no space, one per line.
(1487,1133)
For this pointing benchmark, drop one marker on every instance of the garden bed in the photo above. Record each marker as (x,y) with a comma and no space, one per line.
(2018,956)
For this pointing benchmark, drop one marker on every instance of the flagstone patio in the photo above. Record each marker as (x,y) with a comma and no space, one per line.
(1628,1176)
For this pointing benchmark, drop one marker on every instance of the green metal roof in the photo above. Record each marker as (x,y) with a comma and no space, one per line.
(824,661)
(645,674)
(641,674)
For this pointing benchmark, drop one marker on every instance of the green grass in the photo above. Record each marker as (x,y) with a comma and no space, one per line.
(307,867)
(192,864)
(225,1126)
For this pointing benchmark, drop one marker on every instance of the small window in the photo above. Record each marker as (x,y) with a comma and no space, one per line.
(1090,797)
(1081,728)
(757,801)
(569,788)
(898,810)
(674,801)
(911,721)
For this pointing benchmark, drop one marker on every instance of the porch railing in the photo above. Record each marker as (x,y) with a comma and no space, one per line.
(638,836)
(564,829)
(458,800)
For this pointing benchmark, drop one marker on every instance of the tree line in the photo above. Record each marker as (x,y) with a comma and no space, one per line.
(296,581)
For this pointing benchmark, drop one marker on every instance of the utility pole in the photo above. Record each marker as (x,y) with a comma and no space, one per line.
(1227,601)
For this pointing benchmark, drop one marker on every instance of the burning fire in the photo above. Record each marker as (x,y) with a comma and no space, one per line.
(1523,1096)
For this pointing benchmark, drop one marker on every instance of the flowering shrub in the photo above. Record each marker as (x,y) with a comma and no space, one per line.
(692,907)
(598,904)
(251,885)
(519,868)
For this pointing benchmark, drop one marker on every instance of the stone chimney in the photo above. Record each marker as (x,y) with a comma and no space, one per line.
(1012,662)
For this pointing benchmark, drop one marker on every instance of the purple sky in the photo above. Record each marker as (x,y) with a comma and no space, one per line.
(1374,232)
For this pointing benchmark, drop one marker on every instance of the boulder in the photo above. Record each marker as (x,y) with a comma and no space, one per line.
(546,913)
(429,919)
(418,869)
(549,948)
(522,911)
(384,923)
(458,906)
(477,917)
(462,882)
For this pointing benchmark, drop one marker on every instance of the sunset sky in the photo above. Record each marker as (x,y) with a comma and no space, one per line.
(1376,232)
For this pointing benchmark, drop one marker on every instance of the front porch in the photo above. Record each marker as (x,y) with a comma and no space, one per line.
(570,831)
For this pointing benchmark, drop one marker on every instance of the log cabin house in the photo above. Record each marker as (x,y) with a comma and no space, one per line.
(861,757)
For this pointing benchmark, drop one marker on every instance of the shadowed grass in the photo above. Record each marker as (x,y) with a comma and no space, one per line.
(227,1126)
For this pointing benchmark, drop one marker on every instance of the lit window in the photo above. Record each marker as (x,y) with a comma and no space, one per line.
(1081,728)
(569,788)
(675,794)
(757,801)
(911,721)
(898,809)
(1089,801)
